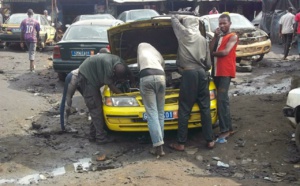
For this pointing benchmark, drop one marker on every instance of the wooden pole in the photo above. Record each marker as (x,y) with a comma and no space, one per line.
(52,12)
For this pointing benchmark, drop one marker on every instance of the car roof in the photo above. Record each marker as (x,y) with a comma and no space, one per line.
(97,22)
(95,15)
(137,10)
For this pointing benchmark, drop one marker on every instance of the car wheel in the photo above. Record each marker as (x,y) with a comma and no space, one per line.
(42,43)
(297,136)
(61,76)
(259,58)
(6,45)
(247,68)
(238,59)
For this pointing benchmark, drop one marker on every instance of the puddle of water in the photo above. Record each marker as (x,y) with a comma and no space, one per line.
(29,179)
(59,171)
(2,181)
(85,162)
(257,88)
(34,178)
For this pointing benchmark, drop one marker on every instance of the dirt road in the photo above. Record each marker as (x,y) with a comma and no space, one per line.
(260,153)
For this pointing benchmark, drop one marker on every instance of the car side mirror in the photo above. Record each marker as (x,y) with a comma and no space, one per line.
(67,25)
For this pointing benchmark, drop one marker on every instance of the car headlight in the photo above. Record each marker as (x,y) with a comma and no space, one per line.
(122,101)
(263,38)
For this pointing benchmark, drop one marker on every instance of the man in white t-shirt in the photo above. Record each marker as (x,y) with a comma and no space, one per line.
(286,30)
(47,16)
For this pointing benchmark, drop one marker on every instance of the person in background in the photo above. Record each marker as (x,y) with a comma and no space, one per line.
(48,18)
(152,87)
(193,61)
(297,29)
(70,87)
(213,11)
(1,19)
(30,34)
(286,30)
(224,69)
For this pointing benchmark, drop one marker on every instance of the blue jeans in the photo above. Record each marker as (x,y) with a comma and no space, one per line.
(70,88)
(63,101)
(152,90)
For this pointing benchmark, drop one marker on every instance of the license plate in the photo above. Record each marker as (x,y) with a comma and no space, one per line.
(81,53)
(168,115)
(16,30)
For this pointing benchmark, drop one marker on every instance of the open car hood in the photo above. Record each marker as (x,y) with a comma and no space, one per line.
(124,39)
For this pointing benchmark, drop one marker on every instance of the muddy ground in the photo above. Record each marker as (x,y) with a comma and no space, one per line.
(34,151)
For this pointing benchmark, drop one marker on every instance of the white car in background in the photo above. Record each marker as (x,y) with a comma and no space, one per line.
(292,112)
(137,14)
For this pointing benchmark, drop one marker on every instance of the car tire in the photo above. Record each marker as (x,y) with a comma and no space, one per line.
(61,76)
(297,136)
(238,59)
(243,68)
(259,58)
(42,44)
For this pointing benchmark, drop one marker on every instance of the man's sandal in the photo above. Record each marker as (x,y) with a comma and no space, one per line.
(176,146)
(210,145)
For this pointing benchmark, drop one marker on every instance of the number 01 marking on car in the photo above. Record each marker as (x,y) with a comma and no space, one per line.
(168,115)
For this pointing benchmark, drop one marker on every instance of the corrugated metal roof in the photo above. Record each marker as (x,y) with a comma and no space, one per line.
(136,1)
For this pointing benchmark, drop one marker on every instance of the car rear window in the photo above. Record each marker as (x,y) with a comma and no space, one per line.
(86,17)
(87,32)
(135,15)
(18,18)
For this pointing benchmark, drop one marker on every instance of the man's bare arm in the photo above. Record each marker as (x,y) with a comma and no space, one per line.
(214,40)
(114,89)
(232,41)
(280,30)
(212,43)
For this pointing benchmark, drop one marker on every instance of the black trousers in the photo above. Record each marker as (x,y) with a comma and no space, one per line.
(222,84)
(93,100)
(286,41)
(194,88)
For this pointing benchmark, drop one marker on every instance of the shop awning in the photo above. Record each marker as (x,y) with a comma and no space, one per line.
(23,1)
(136,1)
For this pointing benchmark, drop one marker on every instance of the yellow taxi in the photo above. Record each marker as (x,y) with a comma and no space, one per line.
(126,112)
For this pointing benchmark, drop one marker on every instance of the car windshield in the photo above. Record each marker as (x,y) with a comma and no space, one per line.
(142,14)
(87,32)
(99,16)
(238,22)
(18,18)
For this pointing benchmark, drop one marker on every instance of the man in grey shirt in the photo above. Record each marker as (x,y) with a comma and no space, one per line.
(193,60)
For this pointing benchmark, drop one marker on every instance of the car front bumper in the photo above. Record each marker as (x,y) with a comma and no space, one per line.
(130,119)
(254,49)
